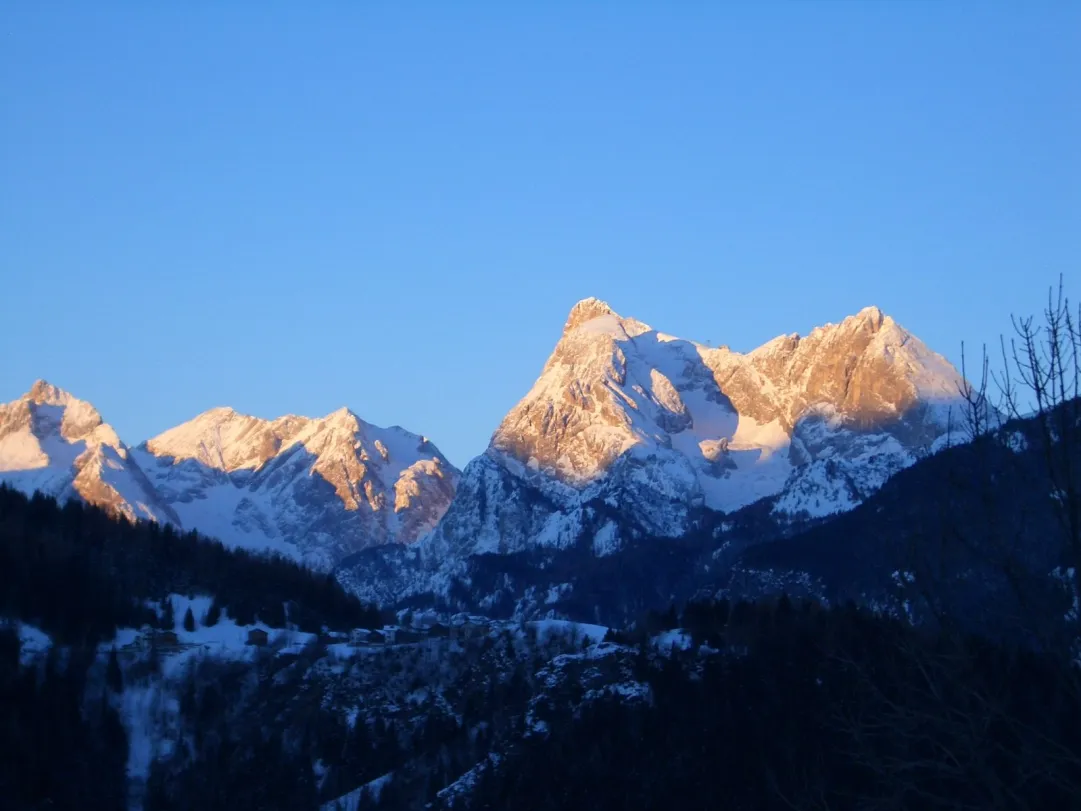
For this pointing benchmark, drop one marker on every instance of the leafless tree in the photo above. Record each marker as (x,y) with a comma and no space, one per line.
(1030,402)
(1040,379)
(961,720)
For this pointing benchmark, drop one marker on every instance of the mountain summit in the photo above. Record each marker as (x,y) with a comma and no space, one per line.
(328,486)
(55,443)
(657,427)
(586,310)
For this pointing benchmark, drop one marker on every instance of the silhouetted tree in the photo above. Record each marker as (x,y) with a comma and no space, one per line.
(168,619)
(114,676)
(213,614)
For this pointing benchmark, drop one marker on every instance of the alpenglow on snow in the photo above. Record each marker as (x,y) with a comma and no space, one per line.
(627,432)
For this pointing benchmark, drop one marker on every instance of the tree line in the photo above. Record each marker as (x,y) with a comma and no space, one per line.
(76,573)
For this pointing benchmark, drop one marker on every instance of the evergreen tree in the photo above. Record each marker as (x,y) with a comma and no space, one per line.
(168,619)
(114,676)
(78,575)
(189,620)
(213,614)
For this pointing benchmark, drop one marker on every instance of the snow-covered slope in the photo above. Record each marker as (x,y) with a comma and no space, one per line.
(314,489)
(55,443)
(632,422)
(318,488)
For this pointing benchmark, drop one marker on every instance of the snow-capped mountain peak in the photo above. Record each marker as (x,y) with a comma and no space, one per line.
(586,310)
(873,315)
(45,393)
(658,427)
(56,443)
(320,488)
(77,419)
(226,440)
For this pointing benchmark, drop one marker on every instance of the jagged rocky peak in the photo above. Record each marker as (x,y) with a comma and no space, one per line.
(226,440)
(591,316)
(45,393)
(49,410)
(867,370)
(872,315)
(53,442)
(320,488)
(656,426)
(574,422)
(586,310)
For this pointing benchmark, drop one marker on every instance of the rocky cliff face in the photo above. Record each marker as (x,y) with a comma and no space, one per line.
(629,431)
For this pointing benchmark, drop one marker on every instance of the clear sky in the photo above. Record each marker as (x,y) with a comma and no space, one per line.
(392,206)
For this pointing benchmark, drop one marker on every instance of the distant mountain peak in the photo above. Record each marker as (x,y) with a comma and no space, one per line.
(321,488)
(45,393)
(222,412)
(872,315)
(53,442)
(586,310)
(657,427)
(345,419)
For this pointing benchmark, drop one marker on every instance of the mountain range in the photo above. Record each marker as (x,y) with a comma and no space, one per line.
(659,428)
(311,489)
(628,433)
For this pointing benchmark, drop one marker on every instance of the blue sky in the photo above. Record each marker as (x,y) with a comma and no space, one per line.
(393,206)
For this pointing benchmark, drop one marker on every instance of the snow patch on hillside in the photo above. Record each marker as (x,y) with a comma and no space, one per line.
(33,642)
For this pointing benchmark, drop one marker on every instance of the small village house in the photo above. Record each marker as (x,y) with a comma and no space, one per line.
(360,636)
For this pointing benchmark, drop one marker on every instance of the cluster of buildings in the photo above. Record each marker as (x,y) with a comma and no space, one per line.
(422,629)
(416,630)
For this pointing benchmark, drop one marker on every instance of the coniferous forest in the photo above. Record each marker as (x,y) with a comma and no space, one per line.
(78,574)
(811,709)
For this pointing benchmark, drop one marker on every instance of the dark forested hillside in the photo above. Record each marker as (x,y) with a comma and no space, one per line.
(975,532)
(59,749)
(795,707)
(77,574)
